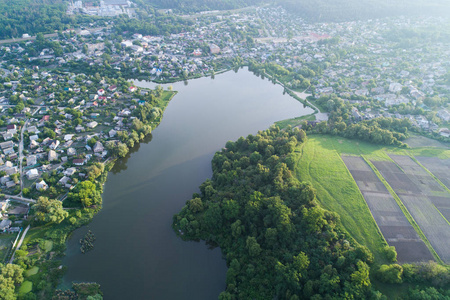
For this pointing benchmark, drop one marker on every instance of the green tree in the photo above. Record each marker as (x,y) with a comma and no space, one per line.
(87,194)
(49,210)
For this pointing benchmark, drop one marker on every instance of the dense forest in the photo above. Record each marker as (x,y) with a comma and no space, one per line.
(202,5)
(348,10)
(278,242)
(33,16)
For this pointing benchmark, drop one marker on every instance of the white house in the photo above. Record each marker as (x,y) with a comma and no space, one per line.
(52,155)
(31,160)
(70,171)
(41,186)
(32,174)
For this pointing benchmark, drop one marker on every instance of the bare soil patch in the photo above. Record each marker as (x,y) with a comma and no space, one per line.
(439,167)
(423,197)
(393,224)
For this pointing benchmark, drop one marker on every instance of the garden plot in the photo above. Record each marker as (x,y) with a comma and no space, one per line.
(423,197)
(393,224)
(439,167)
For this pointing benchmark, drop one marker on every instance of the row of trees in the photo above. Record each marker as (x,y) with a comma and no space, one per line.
(278,242)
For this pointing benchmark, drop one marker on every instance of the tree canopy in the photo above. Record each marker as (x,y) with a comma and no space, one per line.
(278,242)
(49,210)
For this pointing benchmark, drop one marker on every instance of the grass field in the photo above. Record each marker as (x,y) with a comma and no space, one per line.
(321,164)
(48,246)
(295,121)
(31,271)
(26,287)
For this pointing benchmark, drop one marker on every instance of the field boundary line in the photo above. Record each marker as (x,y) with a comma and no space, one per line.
(405,211)
(437,180)
(395,163)
(365,201)
(322,204)
(431,174)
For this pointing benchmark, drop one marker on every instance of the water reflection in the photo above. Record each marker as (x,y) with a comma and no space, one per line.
(121,163)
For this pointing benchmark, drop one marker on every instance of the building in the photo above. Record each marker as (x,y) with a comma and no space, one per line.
(70,171)
(214,49)
(92,124)
(98,147)
(31,160)
(41,185)
(52,155)
(32,174)
(78,162)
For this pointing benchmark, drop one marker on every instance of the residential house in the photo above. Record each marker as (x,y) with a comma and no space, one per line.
(52,155)
(78,162)
(6,145)
(64,180)
(41,185)
(5,224)
(54,144)
(71,151)
(70,171)
(112,133)
(92,124)
(31,160)
(98,147)
(32,174)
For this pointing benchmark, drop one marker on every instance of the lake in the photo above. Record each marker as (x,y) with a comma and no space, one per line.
(137,255)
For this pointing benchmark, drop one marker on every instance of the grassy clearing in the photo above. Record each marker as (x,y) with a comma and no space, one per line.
(321,164)
(26,287)
(295,121)
(48,245)
(32,271)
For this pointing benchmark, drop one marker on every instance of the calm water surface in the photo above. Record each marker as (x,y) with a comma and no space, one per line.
(137,255)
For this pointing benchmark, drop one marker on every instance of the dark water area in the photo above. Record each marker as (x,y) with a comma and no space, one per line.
(137,254)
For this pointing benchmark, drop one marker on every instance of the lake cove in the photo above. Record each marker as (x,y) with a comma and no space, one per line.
(137,255)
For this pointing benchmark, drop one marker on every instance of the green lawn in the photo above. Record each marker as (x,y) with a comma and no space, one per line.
(31,271)
(26,287)
(321,164)
(48,246)
(295,121)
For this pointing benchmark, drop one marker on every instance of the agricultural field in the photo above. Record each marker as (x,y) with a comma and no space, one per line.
(439,167)
(393,224)
(321,164)
(423,197)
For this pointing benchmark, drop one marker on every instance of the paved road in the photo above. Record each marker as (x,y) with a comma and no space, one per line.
(19,198)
